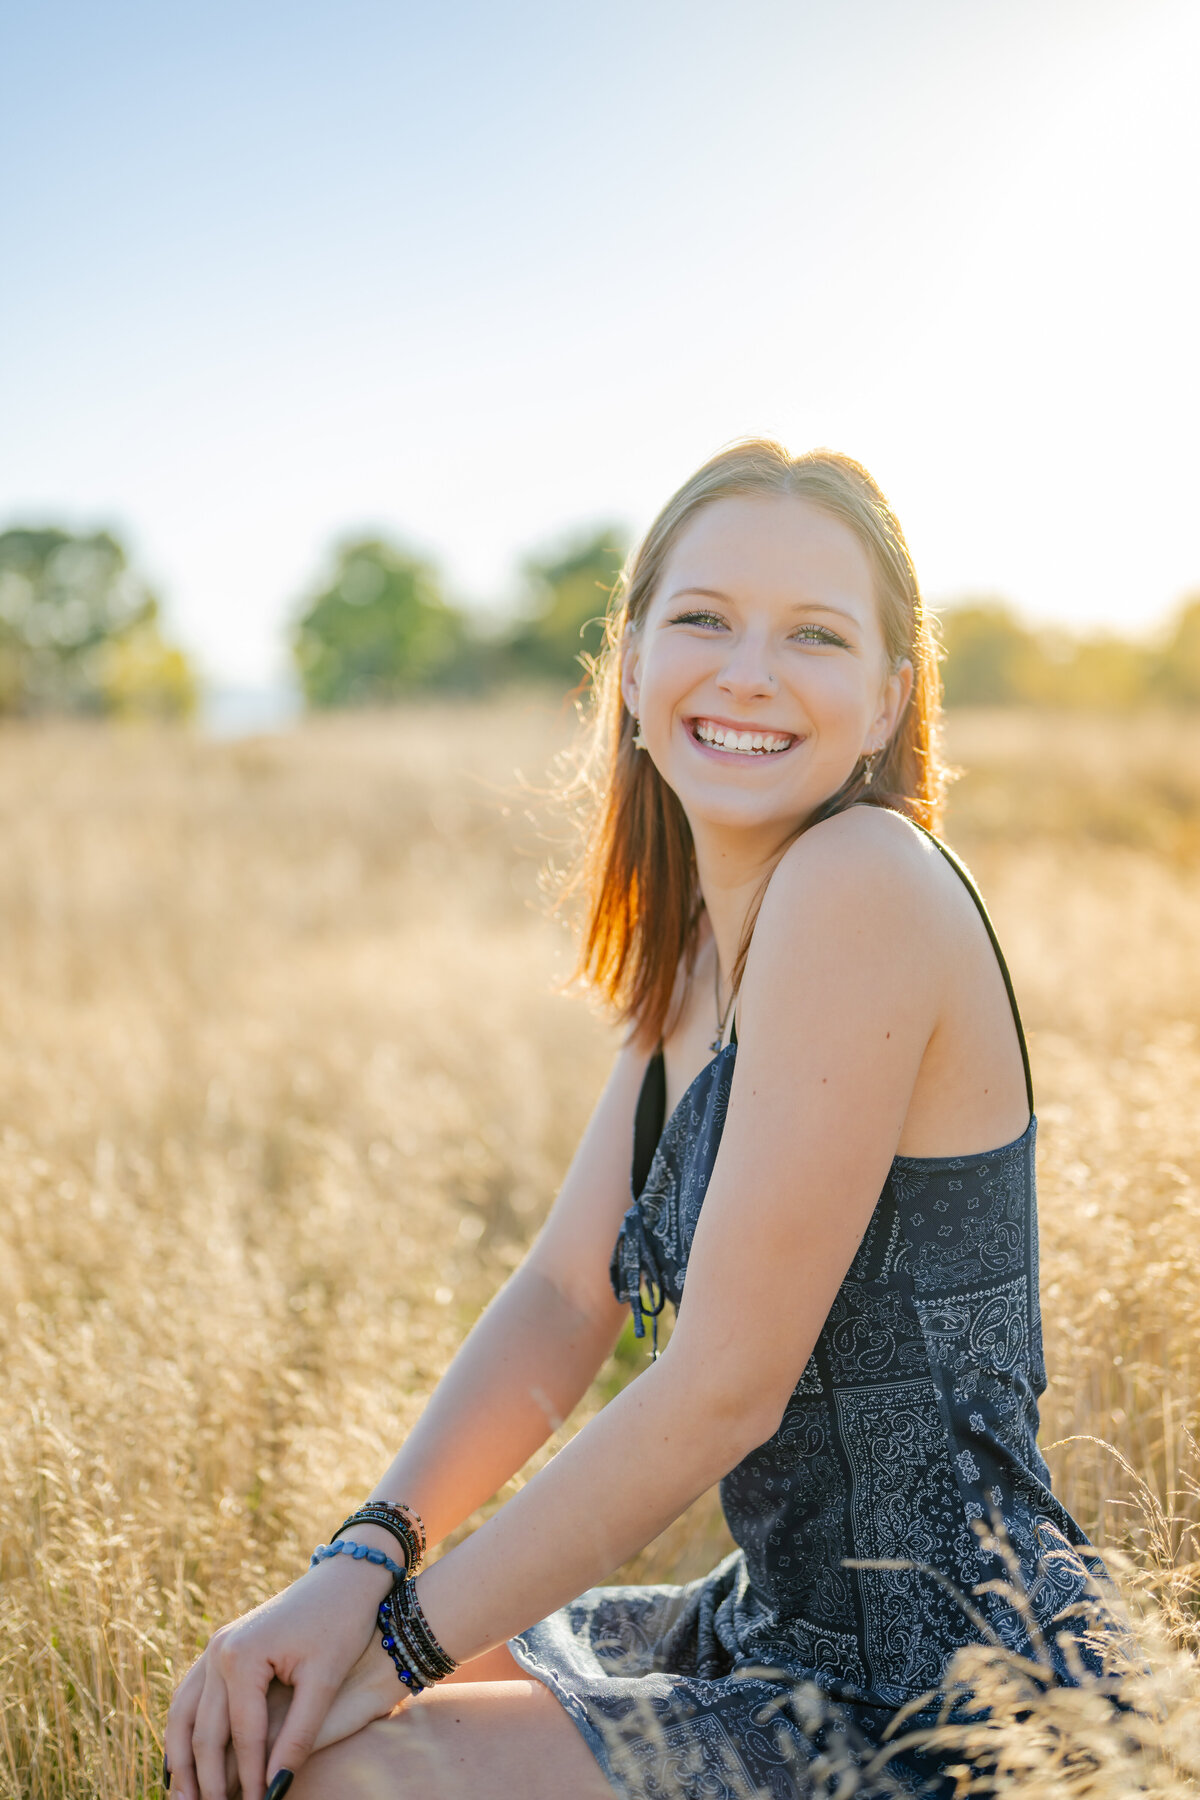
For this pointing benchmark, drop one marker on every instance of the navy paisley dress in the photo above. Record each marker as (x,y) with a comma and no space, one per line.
(915,1418)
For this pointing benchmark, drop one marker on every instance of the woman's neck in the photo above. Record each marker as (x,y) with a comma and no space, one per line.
(730,879)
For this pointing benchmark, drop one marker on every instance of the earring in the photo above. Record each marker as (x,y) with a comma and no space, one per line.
(870,758)
(639,742)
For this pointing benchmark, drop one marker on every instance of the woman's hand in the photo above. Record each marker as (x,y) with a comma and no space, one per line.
(313,1638)
(370,1691)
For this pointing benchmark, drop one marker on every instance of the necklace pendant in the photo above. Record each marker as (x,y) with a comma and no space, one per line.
(716,1043)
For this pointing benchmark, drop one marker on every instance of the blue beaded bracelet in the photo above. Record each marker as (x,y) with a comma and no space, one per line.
(411,1681)
(360,1553)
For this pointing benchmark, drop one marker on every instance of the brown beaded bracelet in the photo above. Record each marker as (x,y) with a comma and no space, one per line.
(402,1522)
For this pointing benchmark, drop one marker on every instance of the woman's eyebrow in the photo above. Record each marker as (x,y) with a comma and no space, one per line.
(705,593)
(822,606)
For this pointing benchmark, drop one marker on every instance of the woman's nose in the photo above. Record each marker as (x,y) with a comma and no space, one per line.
(747,672)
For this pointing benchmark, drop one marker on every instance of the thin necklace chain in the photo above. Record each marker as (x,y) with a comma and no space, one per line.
(721,1016)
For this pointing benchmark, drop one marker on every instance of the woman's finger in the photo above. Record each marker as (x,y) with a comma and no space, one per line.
(279,1698)
(210,1736)
(233,1786)
(246,1695)
(311,1699)
(179,1772)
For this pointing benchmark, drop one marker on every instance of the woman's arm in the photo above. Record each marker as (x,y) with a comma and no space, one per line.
(519,1373)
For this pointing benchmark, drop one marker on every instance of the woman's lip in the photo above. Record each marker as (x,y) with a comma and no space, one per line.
(739,725)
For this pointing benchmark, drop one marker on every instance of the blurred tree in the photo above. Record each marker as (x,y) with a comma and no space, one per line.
(991,659)
(142,677)
(567,595)
(381,630)
(80,633)
(1175,675)
(1101,673)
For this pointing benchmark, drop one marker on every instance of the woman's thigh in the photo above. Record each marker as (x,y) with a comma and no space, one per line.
(465,1740)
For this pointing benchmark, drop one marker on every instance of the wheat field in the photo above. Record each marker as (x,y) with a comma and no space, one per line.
(286,1085)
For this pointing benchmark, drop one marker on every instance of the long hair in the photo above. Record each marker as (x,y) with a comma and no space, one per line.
(636,873)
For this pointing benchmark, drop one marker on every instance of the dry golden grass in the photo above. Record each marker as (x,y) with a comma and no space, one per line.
(285,1089)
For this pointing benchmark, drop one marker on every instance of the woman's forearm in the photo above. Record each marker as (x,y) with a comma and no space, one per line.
(631,1471)
(522,1369)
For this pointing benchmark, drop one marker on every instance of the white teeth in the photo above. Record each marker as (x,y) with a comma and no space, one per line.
(743,743)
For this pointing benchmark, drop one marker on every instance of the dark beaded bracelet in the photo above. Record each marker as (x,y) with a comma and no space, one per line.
(407,1518)
(412,1636)
(394,1651)
(397,1522)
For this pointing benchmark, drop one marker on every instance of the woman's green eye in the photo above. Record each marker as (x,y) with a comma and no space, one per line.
(698,618)
(818,634)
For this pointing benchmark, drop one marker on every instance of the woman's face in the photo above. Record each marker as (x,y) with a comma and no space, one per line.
(759,672)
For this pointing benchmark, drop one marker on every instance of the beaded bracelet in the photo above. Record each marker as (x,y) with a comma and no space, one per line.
(409,1608)
(394,1651)
(360,1553)
(403,1523)
(405,1528)
(409,1639)
(409,1513)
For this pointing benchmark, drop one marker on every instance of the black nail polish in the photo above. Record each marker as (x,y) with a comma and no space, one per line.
(280,1785)
(166,1772)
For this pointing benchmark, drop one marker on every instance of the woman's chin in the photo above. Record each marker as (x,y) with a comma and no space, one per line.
(741,812)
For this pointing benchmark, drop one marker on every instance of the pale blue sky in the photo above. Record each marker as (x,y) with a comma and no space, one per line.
(476,274)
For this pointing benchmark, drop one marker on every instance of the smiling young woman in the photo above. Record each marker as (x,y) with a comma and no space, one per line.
(637,871)
(826,1092)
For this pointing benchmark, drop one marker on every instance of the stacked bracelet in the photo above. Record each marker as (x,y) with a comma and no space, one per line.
(418,1657)
(395,1652)
(360,1553)
(403,1522)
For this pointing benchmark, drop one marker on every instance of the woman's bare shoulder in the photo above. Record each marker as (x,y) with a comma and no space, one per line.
(870,863)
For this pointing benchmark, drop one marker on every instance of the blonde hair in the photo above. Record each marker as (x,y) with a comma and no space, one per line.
(636,874)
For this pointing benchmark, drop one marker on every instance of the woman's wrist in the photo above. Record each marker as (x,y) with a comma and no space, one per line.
(374,1676)
(374,1579)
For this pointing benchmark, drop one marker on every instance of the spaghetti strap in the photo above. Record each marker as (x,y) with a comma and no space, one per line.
(968,881)
(649,1119)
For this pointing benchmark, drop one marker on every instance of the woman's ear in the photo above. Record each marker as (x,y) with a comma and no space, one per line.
(631,669)
(896,692)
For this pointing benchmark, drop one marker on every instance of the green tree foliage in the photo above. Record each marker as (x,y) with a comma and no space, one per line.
(1176,672)
(380,631)
(80,633)
(567,595)
(1101,673)
(992,659)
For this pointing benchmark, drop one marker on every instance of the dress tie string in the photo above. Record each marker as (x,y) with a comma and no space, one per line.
(641,1281)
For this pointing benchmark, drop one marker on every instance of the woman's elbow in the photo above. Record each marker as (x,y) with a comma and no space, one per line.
(736,1408)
